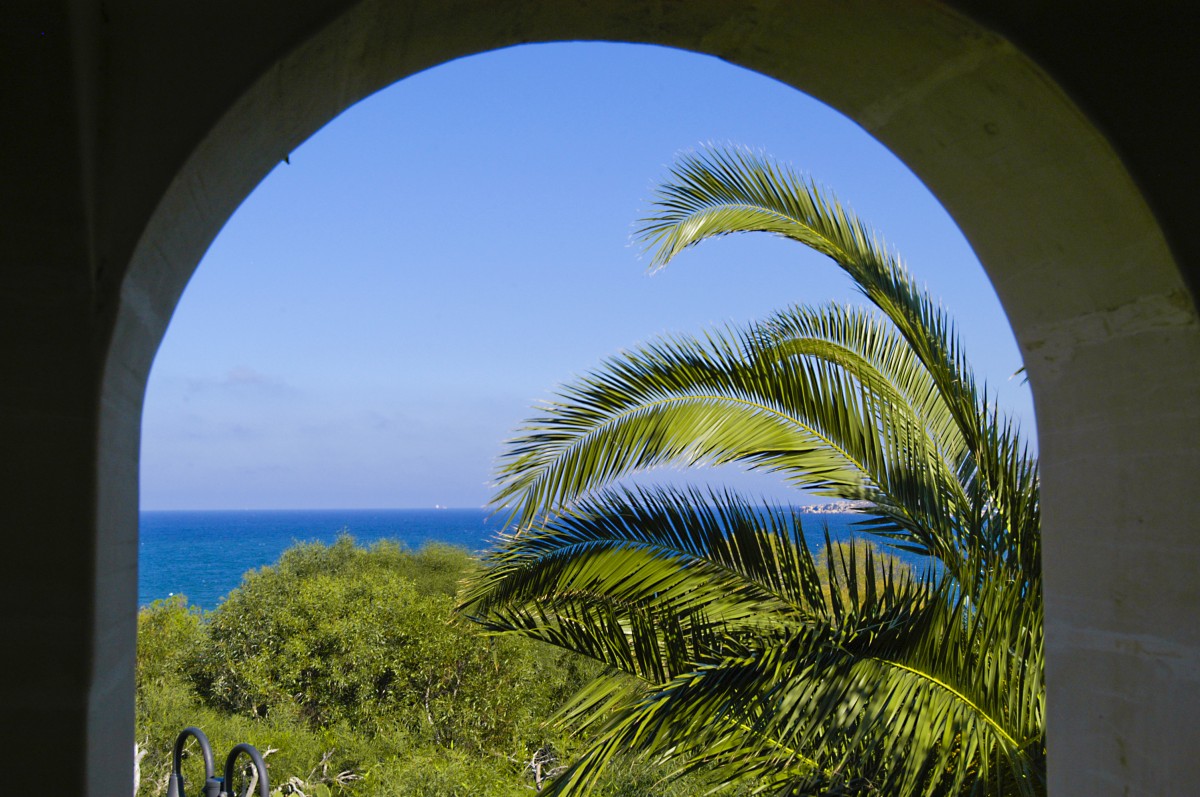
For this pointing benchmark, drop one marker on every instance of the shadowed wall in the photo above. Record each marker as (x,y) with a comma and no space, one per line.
(133,130)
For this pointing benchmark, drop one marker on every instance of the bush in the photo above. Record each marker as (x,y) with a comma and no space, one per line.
(169,634)
(348,669)
(341,659)
(342,634)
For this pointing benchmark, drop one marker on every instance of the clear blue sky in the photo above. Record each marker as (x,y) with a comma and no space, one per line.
(379,315)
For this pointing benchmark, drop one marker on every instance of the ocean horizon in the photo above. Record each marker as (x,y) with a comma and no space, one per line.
(203,554)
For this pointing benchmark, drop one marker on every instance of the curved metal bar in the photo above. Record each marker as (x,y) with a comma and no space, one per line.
(264,787)
(210,768)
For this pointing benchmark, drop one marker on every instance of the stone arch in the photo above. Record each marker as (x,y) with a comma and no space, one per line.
(1108,330)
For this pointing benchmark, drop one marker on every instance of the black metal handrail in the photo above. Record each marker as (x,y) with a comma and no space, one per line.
(214,786)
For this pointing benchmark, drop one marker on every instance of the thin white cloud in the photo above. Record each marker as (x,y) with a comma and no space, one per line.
(244,380)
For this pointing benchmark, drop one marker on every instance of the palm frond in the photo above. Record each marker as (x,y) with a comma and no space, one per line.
(717,192)
(683,401)
(829,422)
(733,649)
(906,687)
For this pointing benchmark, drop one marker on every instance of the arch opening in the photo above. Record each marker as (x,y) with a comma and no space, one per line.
(1078,261)
(272,224)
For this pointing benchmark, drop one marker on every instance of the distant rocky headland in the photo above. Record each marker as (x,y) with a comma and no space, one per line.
(835,508)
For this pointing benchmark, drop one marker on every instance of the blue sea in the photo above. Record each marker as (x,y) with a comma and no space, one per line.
(203,554)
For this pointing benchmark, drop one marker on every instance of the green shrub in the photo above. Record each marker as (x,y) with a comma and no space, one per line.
(348,668)
(169,635)
(367,637)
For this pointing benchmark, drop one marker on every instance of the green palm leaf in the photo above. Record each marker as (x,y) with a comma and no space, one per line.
(720,191)
(830,421)
(733,650)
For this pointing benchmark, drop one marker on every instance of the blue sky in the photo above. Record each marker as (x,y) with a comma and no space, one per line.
(380,314)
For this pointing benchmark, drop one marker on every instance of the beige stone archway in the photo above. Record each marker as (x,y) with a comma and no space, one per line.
(141,127)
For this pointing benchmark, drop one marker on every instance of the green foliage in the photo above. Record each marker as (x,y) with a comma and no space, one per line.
(440,772)
(348,668)
(754,661)
(346,635)
(169,634)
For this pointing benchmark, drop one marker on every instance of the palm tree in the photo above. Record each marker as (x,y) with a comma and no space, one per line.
(731,647)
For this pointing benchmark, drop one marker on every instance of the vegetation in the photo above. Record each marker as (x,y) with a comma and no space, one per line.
(753,660)
(347,667)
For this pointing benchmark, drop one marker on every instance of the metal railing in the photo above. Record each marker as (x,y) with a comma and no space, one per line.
(214,786)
